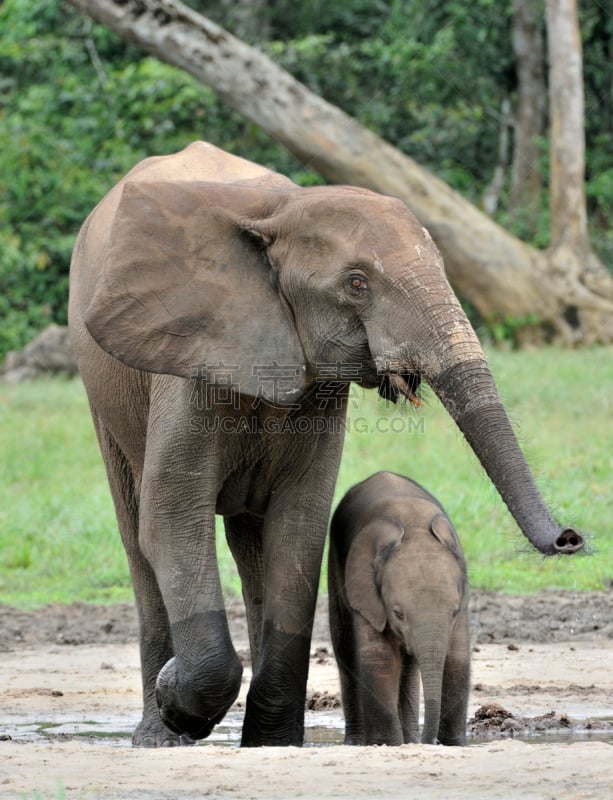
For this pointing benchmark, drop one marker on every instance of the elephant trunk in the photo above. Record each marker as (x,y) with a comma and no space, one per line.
(467,391)
(431,661)
(439,345)
(432,714)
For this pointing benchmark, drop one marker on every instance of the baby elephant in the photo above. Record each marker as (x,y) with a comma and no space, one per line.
(398,598)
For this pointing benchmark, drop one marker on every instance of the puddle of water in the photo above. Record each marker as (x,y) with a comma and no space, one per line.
(323,728)
(117,730)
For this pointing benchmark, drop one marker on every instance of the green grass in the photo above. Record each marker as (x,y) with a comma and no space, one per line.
(58,538)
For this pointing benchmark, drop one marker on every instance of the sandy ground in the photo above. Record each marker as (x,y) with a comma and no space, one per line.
(71,695)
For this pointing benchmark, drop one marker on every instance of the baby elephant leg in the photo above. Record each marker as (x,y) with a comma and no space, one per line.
(456,687)
(378,678)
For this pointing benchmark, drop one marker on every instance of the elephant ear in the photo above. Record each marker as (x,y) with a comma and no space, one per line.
(186,289)
(374,542)
(443,530)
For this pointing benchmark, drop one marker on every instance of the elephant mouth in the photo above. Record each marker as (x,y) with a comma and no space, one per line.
(394,384)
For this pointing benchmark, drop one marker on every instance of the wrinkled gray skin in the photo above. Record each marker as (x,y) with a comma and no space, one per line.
(398,595)
(217,312)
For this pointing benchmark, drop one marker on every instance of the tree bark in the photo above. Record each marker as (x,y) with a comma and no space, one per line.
(529,123)
(567,146)
(491,195)
(570,253)
(500,275)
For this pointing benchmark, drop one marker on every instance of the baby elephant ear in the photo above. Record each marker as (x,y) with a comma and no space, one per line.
(185,290)
(377,537)
(444,531)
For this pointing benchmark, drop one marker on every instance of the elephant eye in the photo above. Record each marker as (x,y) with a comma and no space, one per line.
(398,614)
(357,283)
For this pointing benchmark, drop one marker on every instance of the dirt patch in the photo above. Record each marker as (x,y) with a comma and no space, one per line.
(544,617)
(492,720)
(542,669)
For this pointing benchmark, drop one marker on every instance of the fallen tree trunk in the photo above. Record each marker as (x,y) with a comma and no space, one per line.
(566,296)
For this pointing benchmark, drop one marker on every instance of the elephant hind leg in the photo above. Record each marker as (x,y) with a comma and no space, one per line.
(244,536)
(155,643)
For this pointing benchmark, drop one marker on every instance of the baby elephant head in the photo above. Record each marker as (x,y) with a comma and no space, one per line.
(408,574)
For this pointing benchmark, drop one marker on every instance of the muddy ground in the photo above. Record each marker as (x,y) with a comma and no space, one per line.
(540,714)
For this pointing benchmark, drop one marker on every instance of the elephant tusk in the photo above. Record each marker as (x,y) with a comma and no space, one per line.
(405,388)
(413,398)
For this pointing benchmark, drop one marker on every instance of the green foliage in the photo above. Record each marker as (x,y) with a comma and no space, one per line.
(599,191)
(21,269)
(350,21)
(505,330)
(59,539)
(430,82)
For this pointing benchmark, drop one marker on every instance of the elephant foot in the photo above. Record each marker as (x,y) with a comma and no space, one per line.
(151,732)
(452,741)
(272,727)
(274,713)
(193,706)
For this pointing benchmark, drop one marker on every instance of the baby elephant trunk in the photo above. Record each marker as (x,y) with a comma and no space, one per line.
(431,665)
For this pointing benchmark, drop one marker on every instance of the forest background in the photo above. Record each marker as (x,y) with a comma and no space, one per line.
(80,106)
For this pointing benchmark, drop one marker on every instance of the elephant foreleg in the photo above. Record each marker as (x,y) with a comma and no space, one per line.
(195,689)
(378,684)
(293,543)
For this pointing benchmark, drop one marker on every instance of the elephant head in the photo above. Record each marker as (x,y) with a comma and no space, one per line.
(408,576)
(197,276)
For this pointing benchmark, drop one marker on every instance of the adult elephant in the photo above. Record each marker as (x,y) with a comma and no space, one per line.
(218,311)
